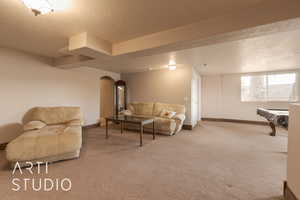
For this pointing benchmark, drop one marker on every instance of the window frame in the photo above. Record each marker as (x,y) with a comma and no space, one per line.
(268,74)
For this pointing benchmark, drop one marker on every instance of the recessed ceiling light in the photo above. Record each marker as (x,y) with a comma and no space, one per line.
(172,65)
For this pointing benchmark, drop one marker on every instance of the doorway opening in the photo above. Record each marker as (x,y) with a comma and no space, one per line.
(107,98)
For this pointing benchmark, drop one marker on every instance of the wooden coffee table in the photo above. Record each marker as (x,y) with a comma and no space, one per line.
(141,121)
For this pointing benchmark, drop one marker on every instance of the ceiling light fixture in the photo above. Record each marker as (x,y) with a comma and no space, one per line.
(172,65)
(39,7)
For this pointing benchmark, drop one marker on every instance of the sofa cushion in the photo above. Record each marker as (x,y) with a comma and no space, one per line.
(144,116)
(75,122)
(55,115)
(45,142)
(33,125)
(162,126)
(158,107)
(142,108)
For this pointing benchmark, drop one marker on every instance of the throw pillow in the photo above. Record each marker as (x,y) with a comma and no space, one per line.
(167,113)
(127,112)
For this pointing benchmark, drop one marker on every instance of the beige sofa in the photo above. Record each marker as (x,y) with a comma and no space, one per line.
(51,134)
(163,125)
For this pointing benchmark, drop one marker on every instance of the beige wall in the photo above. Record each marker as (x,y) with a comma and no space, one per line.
(221,98)
(27,81)
(294,150)
(161,86)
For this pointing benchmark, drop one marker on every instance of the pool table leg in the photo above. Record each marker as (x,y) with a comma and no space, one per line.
(272,125)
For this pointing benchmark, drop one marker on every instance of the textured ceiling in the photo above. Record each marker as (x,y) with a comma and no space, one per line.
(272,52)
(262,48)
(280,51)
(112,20)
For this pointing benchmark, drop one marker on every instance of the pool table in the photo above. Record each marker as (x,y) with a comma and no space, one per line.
(275,117)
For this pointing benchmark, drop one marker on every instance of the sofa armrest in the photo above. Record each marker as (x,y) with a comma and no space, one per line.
(75,122)
(180,117)
(34,125)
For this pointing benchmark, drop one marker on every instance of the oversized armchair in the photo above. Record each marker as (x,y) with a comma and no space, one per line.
(51,134)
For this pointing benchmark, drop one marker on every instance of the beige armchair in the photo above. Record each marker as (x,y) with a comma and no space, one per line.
(51,134)
(167,125)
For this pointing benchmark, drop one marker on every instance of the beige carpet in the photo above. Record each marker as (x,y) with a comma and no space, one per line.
(216,161)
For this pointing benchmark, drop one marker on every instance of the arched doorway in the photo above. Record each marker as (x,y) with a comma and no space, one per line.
(107,85)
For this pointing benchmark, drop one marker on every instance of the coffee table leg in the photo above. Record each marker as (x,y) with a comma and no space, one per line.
(106,124)
(121,127)
(141,135)
(153,130)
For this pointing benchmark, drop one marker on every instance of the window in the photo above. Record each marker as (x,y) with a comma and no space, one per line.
(269,87)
